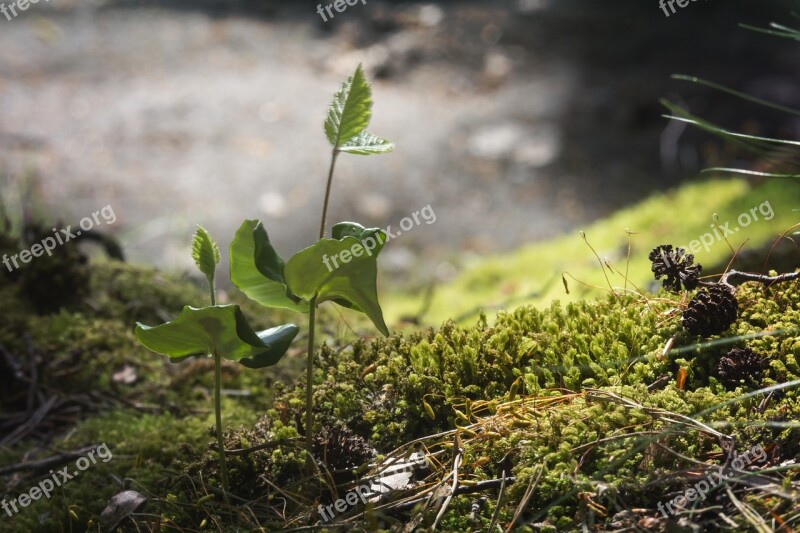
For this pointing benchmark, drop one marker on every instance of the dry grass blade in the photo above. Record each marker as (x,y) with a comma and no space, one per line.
(458,456)
(750,515)
(496,512)
(488,420)
(525,498)
(46,463)
(38,416)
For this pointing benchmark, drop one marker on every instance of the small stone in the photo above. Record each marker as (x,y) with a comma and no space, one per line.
(126,376)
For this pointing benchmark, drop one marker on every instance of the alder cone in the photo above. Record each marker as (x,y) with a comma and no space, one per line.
(711,311)
(741,365)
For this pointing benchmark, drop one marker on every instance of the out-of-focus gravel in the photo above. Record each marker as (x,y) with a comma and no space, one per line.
(514,121)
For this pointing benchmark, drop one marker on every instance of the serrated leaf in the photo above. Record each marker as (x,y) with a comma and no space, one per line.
(351,110)
(365,143)
(257,269)
(320,271)
(219,329)
(205,252)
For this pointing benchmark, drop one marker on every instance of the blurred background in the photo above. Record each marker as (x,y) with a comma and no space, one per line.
(516,120)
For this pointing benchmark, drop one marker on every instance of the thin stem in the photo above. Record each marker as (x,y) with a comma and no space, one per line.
(212,288)
(334,155)
(312,314)
(223,466)
(312,311)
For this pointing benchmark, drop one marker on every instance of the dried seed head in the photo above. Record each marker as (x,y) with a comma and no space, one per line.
(675,266)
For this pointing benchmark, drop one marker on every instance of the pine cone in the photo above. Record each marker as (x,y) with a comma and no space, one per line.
(675,266)
(711,311)
(741,366)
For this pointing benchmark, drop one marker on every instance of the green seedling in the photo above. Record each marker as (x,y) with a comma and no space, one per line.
(308,279)
(217,331)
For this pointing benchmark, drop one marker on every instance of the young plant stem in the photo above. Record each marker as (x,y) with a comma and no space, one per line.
(312,311)
(223,466)
(334,155)
(312,314)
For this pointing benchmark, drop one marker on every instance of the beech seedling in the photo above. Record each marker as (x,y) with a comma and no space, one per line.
(306,280)
(218,331)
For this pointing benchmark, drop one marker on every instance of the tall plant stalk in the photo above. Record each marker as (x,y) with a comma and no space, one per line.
(312,313)
(334,156)
(345,127)
(258,270)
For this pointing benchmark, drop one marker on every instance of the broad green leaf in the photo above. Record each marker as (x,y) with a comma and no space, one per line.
(343,270)
(220,329)
(366,143)
(257,269)
(351,110)
(354,229)
(205,252)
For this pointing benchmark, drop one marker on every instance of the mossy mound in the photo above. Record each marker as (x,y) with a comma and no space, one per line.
(580,405)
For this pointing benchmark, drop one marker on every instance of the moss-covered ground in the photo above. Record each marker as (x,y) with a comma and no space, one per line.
(593,414)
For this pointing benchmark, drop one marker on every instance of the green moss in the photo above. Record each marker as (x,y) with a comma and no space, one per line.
(143,447)
(590,450)
(77,351)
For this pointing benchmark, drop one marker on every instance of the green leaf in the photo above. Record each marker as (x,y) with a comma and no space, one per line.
(321,270)
(366,143)
(220,329)
(354,229)
(257,269)
(205,252)
(278,338)
(351,110)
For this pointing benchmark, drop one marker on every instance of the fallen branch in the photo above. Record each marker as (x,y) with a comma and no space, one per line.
(742,277)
